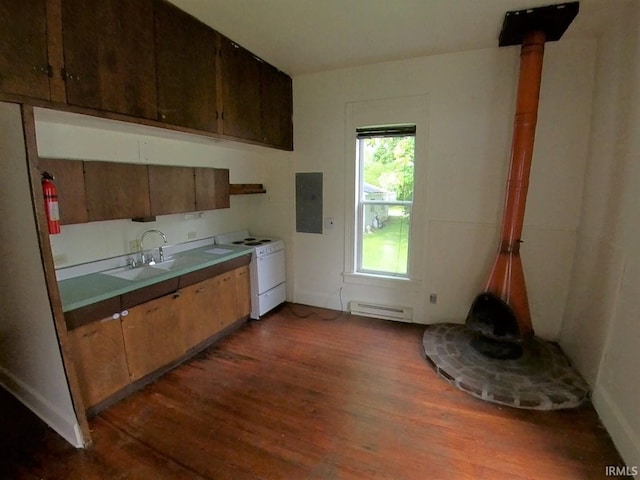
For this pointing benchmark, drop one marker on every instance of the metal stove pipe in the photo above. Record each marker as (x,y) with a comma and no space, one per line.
(506,279)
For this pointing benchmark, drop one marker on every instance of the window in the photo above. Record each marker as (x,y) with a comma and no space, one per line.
(384,185)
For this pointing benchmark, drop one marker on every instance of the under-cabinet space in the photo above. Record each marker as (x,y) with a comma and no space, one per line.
(100,360)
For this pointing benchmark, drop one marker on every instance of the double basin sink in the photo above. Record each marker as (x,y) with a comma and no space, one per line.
(148,271)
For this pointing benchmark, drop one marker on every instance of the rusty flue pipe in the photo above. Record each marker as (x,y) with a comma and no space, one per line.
(506,279)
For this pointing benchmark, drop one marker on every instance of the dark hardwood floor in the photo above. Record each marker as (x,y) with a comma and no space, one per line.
(294,398)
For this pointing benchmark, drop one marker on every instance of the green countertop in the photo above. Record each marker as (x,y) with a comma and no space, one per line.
(87,289)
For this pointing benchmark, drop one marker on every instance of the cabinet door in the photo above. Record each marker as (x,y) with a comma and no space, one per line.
(69,182)
(277,107)
(225,306)
(171,190)
(109,55)
(240,91)
(24,67)
(100,359)
(243,292)
(212,188)
(153,335)
(198,314)
(185,69)
(116,190)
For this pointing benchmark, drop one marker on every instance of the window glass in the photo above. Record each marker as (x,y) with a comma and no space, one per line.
(385,180)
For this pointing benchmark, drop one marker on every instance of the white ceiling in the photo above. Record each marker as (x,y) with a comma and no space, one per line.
(305,36)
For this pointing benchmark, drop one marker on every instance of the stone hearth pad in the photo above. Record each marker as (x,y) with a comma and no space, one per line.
(542,379)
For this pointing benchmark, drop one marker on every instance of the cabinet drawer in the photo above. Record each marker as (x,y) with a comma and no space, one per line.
(91,313)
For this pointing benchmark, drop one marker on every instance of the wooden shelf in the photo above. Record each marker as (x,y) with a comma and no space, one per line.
(246,188)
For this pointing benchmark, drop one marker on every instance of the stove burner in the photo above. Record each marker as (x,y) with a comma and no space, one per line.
(238,242)
(265,240)
(249,239)
(253,244)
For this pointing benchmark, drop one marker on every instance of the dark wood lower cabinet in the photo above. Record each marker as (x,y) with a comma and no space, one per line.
(114,353)
(100,359)
(151,335)
(243,285)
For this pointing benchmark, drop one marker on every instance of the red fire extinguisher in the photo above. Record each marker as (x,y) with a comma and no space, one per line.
(51,203)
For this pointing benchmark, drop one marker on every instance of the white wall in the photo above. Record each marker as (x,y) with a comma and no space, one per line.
(30,360)
(601,330)
(470,105)
(64,135)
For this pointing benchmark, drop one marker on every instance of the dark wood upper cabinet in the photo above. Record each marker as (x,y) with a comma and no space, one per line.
(145,59)
(69,182)
(24,66)
(276,94)
(171,189)
(240,91)
(212,188)
(109,55)
(185,68)
(116,190)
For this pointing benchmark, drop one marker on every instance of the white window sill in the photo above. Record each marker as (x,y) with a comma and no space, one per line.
(380,280)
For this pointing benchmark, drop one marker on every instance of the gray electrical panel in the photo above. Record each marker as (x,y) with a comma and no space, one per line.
(309,202)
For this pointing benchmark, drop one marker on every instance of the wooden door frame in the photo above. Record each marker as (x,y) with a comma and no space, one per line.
(46,255)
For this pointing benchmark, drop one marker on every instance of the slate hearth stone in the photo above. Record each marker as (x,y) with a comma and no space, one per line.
(541,379)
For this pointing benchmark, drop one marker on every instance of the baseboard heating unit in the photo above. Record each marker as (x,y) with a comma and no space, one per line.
(388,312)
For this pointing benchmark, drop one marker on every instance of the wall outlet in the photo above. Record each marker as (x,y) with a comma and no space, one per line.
(191,235)
(433,298)
(134,246)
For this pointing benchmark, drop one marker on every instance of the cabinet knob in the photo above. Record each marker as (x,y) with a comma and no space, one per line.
(115,316)
(124,313)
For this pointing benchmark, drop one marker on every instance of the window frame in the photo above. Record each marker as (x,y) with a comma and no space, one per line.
(379,131)
(411,109)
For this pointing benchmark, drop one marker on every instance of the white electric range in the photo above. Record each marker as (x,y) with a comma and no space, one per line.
(267,269)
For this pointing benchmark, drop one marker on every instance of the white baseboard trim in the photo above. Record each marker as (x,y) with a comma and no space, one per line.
(67,428)
(625,439)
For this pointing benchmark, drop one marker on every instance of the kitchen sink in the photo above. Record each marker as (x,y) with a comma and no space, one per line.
(178,262)
(134,274)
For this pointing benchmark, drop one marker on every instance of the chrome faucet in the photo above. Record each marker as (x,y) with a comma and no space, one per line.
(143,258)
